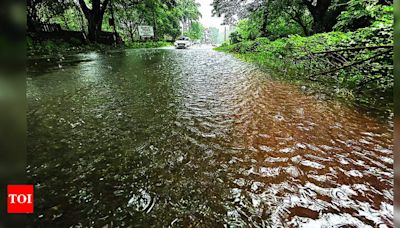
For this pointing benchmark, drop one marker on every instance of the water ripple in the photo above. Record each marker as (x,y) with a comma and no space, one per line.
(189,137)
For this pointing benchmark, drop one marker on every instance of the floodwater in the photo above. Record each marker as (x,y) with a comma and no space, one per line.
(197,138)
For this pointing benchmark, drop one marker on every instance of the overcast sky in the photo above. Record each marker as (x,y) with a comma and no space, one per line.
(207,20)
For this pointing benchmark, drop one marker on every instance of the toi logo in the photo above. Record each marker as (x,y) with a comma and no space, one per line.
(20,199)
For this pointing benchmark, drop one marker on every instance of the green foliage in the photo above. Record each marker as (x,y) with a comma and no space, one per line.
(251,29)
(69,19)
(56,46)
(234,37)
(248,29)
(282,27)
(60,47)
(149,44)
(288,17)
(361,13)
(292,58)
(165,16)
(195,31)
(283,18)
(278,18)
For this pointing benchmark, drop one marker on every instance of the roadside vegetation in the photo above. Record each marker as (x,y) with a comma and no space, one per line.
(65,25)
(50,47)
(148,44)
(348,56)
(61,47)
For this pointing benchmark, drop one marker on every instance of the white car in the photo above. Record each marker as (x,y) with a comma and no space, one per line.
(183,42)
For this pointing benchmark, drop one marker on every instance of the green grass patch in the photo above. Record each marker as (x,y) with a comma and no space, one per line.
(53,47)
(148,44)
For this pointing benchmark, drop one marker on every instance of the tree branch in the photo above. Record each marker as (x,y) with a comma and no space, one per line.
(355,48)
(350,65)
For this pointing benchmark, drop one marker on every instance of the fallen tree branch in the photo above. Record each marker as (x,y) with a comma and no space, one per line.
(354,49)
(350,65)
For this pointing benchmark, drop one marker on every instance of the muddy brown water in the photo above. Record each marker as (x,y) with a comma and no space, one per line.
(172,138)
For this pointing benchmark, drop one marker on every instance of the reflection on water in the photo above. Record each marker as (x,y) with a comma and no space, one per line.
(197,138)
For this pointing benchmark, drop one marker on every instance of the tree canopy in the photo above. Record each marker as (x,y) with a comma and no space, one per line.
(123,16)
(304,17)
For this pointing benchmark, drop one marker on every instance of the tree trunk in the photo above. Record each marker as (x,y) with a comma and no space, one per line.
(92,33)
(132,36)
(324,19)
(264,26)
(318,23)
(318,13)
(155,26)
(113,23)
(131,31)
(304,27)
(94,17)
(31,17)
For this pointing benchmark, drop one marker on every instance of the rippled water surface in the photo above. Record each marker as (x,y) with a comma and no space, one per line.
(197,138)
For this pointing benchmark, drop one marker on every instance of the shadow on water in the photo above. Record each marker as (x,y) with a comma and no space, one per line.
(197,138)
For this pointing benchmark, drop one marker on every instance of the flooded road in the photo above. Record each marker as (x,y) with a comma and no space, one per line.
(197,138)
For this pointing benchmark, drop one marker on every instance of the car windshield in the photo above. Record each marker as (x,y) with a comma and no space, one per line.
(183,38)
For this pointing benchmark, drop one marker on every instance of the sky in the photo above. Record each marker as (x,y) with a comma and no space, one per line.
(206,11)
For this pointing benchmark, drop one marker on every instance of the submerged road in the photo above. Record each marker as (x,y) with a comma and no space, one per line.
(165,137)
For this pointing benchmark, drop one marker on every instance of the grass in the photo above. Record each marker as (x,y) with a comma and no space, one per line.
(148,44)
(50,47)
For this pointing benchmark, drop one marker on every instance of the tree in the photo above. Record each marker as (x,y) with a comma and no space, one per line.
(31,17)
(247,29)
(295,11)
(265,15)
(195,31)
(361,14)
(188,12)
(94,17)
(129,18)
(214,35)
(44,10)
(89,16)
(324,13)
(263,11)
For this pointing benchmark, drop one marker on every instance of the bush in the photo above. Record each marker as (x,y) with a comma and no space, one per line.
(372,78)
(361,14)
(235,37)
(52,47)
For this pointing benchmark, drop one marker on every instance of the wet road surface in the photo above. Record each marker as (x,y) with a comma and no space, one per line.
(177,138)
